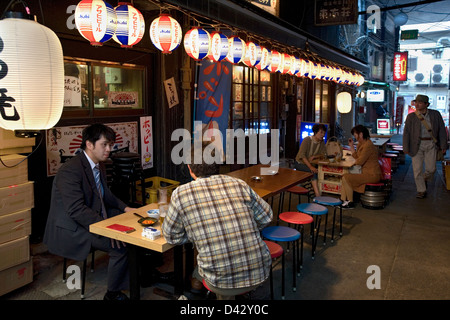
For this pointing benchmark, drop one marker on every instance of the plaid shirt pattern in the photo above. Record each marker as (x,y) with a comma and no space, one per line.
(222,216)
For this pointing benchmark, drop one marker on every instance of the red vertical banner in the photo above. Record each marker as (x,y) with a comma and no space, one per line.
(399,111)
(400,66)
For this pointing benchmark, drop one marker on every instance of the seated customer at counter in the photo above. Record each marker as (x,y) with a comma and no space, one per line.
(76,203)
(366,156)
(222,216)
(312,147)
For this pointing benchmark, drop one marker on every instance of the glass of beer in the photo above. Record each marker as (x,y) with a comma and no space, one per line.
(162,212)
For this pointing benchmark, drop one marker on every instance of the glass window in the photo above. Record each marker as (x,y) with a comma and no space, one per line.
(93,87)
(252,108)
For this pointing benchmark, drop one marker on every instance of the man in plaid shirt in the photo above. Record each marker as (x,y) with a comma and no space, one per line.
(222,216)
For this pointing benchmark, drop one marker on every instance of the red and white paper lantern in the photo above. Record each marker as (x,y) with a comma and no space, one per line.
(275,62)
(165,33)
(252,54)
(130,25)
(197,43)
(96,21)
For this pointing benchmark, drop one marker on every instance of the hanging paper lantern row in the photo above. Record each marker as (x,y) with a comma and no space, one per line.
(165,33)
(287,63)
(196,43)
(236,50)
(266,57)
(96,21)
(252,54)
(130,25)
(219,46)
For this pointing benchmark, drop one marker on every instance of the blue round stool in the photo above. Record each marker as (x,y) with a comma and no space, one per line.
(335,203)
(316,210)
(283,234)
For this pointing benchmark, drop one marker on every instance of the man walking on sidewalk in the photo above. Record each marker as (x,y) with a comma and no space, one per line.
(421,129)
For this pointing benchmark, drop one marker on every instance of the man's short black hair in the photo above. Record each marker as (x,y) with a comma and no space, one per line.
(204,169)
(94,132)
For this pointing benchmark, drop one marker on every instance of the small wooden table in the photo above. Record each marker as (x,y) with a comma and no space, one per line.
(330,173)
(270,185)
(135,240)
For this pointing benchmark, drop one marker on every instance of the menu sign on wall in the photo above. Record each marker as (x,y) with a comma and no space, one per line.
(336,12)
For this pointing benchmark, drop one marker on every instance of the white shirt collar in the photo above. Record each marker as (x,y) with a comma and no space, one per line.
(90,160)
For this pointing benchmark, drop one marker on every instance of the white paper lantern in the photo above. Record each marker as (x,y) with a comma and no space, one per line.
(344,102)
(130,25)
(219,46)
(96,21)
(31,75)
(315,70)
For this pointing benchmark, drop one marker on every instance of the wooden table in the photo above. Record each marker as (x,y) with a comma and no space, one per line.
(135,240)
(269,185)
(330,173)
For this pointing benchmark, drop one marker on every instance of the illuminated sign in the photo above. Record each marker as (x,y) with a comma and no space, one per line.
(383,126)
(375,95)
(400,66)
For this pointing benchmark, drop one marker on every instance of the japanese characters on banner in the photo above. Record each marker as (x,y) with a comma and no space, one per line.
(64,142)
(400,66)
(171,92)
(213,104)
(146,142)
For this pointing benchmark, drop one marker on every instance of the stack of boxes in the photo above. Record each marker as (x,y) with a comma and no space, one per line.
(16,201)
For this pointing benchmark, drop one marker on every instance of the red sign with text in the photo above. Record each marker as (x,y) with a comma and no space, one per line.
(400,66)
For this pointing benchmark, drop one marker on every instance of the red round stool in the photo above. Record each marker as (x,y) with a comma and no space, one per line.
(299,219)
(275,252)
(299,191)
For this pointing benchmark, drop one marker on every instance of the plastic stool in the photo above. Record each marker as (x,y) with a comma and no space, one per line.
(275,251)
(299,219)
(283,234)
(335,203)
(83,271)
(299,191)
(316,210)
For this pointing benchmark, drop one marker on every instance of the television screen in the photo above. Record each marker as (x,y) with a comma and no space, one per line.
(306,130)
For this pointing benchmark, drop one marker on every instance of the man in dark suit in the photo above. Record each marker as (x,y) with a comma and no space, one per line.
(76,203)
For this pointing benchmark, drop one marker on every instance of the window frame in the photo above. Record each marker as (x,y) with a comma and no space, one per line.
(91,111)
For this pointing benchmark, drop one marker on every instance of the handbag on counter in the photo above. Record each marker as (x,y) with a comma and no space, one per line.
(439,154)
